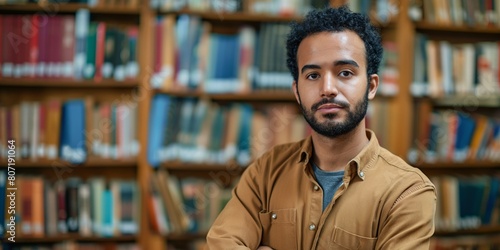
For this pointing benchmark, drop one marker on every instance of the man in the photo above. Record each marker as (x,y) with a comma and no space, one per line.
(337,189)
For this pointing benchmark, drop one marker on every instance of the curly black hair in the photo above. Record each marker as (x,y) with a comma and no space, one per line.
(335,20)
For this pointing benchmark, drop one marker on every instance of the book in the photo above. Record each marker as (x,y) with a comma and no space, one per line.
(72,142)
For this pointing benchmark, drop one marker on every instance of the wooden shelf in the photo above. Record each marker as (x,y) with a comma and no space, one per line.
(65,83)
(90,163)
(67,8)
(278,95)
(236,16)
(481,230)
(74,237)
(186,236)
(467,101)
(255,96)
(186,166)
(460,165)
(425,26)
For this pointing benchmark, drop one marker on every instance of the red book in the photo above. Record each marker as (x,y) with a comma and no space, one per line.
(7,49)
(42,49)
(62,214)
(16,42)
(25,185)
(51,45)
(14,47)
(57,50)
(1,45)
(33,51)
(24,35)
(99,53)
(68,45)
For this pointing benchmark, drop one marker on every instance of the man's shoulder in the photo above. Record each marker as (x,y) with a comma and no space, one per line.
(283,153)
(397,166)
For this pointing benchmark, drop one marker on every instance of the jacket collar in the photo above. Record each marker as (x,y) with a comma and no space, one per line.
(363,161)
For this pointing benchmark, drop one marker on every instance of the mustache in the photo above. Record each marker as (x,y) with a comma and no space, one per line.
(329,100)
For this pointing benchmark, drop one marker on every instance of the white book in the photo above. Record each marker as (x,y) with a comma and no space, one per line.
(85,221)
(35,125)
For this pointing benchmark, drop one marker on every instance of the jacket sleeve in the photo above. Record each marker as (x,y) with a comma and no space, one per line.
(410,221)
(238,225)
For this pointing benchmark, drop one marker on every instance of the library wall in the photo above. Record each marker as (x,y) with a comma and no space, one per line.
(125,124)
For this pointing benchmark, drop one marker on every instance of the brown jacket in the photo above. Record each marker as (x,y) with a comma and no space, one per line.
(383,204)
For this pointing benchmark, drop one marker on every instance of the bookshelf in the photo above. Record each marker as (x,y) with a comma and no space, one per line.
(69,8)
(69,84)
(460,99)
(89,163)
(399,124)
(432,27)
(120,172)
(75,237)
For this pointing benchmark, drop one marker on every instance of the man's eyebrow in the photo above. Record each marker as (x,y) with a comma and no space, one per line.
(346,62)
(336,63)
(309,66)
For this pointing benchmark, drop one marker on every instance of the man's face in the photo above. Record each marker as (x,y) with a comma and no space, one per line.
(332,88)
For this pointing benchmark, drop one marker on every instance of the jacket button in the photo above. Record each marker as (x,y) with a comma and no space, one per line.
(274,216)
(312,227)
(316,188)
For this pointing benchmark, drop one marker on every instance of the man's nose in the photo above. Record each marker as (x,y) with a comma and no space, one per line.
(329,86)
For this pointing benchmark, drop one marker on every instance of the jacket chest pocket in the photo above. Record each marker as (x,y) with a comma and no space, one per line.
(279,228)
(342,239)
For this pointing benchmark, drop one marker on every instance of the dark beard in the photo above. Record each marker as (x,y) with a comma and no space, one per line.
(334,129)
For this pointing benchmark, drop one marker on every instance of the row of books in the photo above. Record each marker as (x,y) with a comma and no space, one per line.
(377,117)
(90,3)
(191,56)
(64,46)
(467,202)
(215,62)
(272,7)
(94,207)
(71,245)
(442,68)
(453,136)
(70,130)
(192,130)
(462,12)
(384,11)
(184,205)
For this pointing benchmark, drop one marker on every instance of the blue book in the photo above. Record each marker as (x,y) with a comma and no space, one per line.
(465,131)
(223,64)
(432,147)
(491,201)
(182,36)
(194,36)
(244,145)
(157,121)
(107,215)
(72,148)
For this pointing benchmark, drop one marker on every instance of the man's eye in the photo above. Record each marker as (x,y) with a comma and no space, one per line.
(313,76)
(345,74)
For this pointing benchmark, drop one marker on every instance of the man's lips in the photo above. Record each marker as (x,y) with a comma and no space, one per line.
(330,106)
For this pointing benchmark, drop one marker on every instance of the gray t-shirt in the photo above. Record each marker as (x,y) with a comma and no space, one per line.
(329,182)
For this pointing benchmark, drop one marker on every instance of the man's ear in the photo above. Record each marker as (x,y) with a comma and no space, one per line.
(373,86)
(295,91)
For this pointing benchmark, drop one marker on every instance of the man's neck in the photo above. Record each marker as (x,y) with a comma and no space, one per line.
(332,154)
